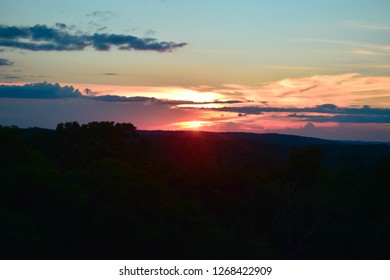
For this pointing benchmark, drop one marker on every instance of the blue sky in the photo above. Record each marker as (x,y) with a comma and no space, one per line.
(290,54)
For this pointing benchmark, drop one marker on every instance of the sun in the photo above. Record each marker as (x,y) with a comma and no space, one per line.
(194,125)
(193,95)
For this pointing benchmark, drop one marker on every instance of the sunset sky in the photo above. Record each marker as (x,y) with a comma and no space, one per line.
(312,68)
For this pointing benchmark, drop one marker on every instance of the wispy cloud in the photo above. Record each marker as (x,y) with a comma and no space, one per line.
(343,90)
(5,62)
(56,103)
(102,15)
(319,113)
(110,74)
(369,25)
(378,48)
(44,38)
(365,52)
(292,68)
(9,77)
(375,66)
(54,91)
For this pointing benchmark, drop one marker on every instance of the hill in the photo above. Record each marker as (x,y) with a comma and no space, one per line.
(104,190)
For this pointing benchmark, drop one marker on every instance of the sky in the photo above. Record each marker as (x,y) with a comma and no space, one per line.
(311,68)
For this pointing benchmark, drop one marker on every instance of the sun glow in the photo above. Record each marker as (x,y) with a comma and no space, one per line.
(159,92)
(195,96)
(194,125)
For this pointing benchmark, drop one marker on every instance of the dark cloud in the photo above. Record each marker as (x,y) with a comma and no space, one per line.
(5,62)
(9,77)
(187,102)
(61,25)
(358,117)
(150,32)
(117,98)
(298,91)
(102,15)
(325,108)
(102,28)
(319,113)
(88,91)
(110,74)
(44,38)
(39,90)
(251,110)
(50,91)
(330,113)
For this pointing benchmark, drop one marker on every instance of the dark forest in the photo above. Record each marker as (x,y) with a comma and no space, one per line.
(105,190)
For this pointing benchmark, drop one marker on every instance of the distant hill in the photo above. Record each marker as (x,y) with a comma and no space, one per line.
(270,138)
(106,191)
(269,147)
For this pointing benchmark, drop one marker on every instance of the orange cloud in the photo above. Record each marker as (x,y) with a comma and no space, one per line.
(364,52)
(329,102)
(349,89)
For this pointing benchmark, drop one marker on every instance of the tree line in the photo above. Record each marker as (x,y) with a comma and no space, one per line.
(104,191)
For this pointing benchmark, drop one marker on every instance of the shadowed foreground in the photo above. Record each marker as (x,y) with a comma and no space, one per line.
(106,191)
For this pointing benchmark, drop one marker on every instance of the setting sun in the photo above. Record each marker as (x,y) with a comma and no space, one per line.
(194,125)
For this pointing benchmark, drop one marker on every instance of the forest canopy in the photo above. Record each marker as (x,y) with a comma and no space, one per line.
(104,190)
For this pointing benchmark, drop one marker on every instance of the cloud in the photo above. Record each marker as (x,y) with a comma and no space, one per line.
(102,15)
(364,52)
(54,91)
(150,32)
(292,68)
(110,74)
(9,77)
(345,90)
(44,38)
(371,26)
(61,25)
(356,118)
(45,104)
(51,91)
(116,98)
(49,112)
(39,90)
(372,66)
(88,91)
(376,48)
(188,102)
(319,113)
(5,62)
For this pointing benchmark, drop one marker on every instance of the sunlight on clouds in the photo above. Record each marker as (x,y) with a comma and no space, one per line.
(193,125)
(364,52)
(285,105)
(195,96)
(171,92)
(350,89)
(343,90)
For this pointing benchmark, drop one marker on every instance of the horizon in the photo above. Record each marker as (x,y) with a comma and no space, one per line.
(197,131)
(308,69)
